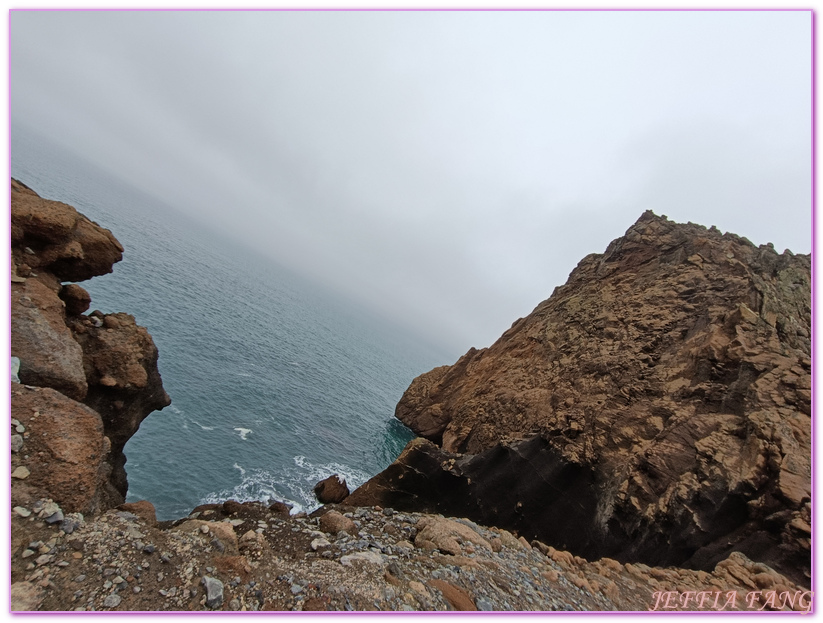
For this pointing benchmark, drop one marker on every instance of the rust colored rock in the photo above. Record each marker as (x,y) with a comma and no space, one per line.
(143,509)
(232,507)
(668,379)
(64,242)
(331,490)
(77,299)
(67,450)
(49,356)
(456,596)
(280,508)
(120,362)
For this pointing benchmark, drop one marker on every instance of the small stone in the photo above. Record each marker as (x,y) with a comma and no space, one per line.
(204,529)
(214,591)
(56,517)
(16,443)
(21,473)
(136,589)
(320,543)
(26,553)
(484,604)
(149,549)
(118,580)
(107,584)
(20,428)
(234,604)
(22,511)
(112,601)
(43,560)
(49,508)
(80,577)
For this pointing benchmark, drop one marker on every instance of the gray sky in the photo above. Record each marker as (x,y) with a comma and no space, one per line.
(447,169)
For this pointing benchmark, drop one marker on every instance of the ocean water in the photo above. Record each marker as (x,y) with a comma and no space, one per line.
(275,383)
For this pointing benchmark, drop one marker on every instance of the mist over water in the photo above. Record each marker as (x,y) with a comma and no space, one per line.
(275,384)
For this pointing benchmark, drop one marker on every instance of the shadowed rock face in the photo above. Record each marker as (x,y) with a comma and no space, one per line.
(104,361)
(667,386)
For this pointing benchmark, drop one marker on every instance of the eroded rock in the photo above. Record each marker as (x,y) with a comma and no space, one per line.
(331,490)
(668,379)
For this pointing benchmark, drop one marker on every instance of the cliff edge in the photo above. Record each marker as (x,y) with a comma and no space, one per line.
(85,381)
(656,409)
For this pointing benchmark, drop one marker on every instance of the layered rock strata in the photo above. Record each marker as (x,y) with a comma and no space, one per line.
(86,381)
(655,408)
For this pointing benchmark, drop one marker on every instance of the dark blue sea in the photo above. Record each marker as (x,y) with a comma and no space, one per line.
(275,383)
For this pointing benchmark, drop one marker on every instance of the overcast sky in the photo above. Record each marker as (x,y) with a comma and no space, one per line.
(447,169)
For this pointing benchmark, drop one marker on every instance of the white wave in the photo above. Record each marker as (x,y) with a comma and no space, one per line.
(292,485)
(203,427)
(243,432)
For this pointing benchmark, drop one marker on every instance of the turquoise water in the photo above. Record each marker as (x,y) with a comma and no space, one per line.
(275,383)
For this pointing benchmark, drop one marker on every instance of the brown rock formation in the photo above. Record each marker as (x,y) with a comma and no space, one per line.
(668,380)
(106,362)
(53,236)
(331,490)
(67,451)
(49,355)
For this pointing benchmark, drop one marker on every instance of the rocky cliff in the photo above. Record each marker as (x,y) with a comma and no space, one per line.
(656,408)
(86,381)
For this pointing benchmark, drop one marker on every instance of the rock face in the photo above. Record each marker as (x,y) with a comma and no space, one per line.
(656,408)
(67,439)
(101,369)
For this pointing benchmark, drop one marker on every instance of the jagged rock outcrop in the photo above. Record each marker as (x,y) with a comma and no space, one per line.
(331,490)
(656,408)
(101,370)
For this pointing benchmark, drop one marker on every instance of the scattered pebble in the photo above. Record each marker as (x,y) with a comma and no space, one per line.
(22,472)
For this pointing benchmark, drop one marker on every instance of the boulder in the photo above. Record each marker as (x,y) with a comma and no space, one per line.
(77,299)
(331,490)
(333,522)
(49,356)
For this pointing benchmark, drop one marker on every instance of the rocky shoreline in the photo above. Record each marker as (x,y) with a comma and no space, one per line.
(405,541)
